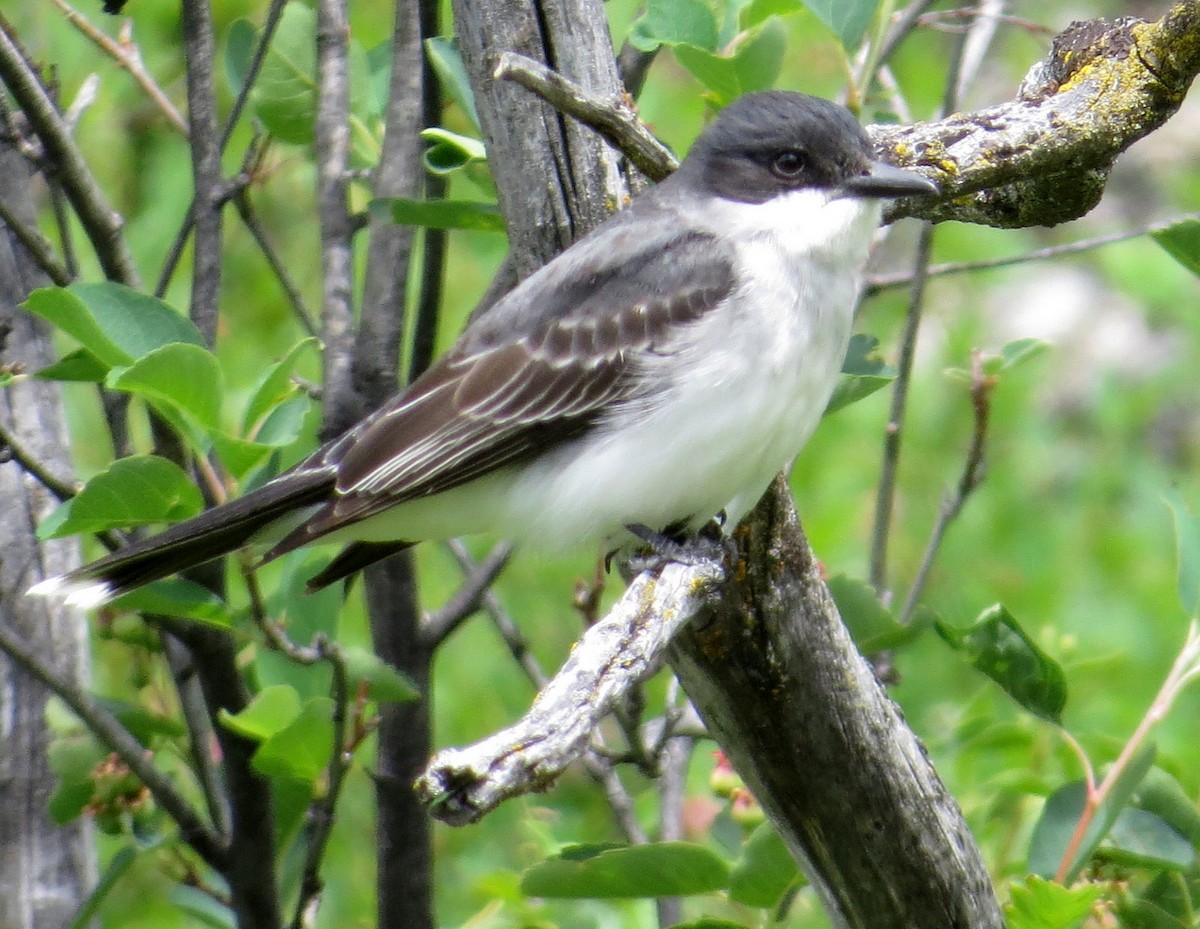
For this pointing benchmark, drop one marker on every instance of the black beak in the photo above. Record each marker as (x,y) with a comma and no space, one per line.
(884,180)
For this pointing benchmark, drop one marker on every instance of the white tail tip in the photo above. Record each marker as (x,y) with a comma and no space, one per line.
(86,594)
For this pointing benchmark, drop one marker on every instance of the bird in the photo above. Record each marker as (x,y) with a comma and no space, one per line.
(657,373)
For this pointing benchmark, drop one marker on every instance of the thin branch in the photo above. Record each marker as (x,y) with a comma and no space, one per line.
(970,479)
(295,299)
(615,120)
(885,494)
(270,24)
(127,57)
(39,247)
(101,222)
(467,600)
(200,50)
(199,730)
(320,813)
(12,448)
(518,647)
(274,14)
(333,159)
(207,843)
(461,785)
(893,437)
(881,282)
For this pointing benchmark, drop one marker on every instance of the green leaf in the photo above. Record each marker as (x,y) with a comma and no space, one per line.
(1168,902)
(709,922)
(272,710)
(1142,840)
(176,596)
(72,759)
(142,724)
(1020,351)
(1182,242)
(1042,904)
(661,869)
(871,624)
(765,871)
(275,386)
(759,56)
(1055,827)
(379,64)
(117,324)
(441,214)
(385,683)
(186,376)
(79,365)
(759,11)
(202,908)
(240,42)
(1187,552)
(1161,794)
(449,152)
(717,73)
(673,23)
(130,492)
(300,751)
(285,95)
(847,19)
(864,371)
(447,63)
(116,868)
(997,645)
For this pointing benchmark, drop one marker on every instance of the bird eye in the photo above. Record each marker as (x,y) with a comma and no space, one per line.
(788,164)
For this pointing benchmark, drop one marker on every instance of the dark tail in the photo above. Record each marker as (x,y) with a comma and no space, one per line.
(213,533)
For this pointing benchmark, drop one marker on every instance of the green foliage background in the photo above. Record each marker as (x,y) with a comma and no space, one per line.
(1069,531)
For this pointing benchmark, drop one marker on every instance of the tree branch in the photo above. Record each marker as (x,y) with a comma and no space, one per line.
(461,785)
(1042,158)
(779,683)
(333,161)
(100,221)
(616,120)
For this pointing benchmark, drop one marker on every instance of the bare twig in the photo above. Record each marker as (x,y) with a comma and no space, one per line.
(12,448)
(101,222)
(885,494)
(126,56)
(39,247)
(893,437)
(440,624)
(320,812)
(333,159)
(615,120)
(971,477)
(880,282)
(490,603)
(200,49)
(208,844)
(274,14)
(613,656)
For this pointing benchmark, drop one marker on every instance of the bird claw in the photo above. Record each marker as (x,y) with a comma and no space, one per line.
(705,546)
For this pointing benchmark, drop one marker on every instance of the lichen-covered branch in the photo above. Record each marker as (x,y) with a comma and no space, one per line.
(1043,157)
(462,784)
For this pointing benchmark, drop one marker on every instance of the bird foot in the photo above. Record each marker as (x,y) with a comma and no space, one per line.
(673,544)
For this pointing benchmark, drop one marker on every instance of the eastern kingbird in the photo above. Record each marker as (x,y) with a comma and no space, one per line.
(662,369)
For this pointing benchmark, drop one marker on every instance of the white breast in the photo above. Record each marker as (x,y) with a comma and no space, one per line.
(742,390)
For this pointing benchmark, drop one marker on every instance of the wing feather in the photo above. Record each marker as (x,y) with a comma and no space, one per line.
(503,394)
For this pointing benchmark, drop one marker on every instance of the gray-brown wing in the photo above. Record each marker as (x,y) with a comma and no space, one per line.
(492,402)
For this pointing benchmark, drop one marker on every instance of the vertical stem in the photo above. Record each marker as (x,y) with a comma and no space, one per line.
(333,161)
